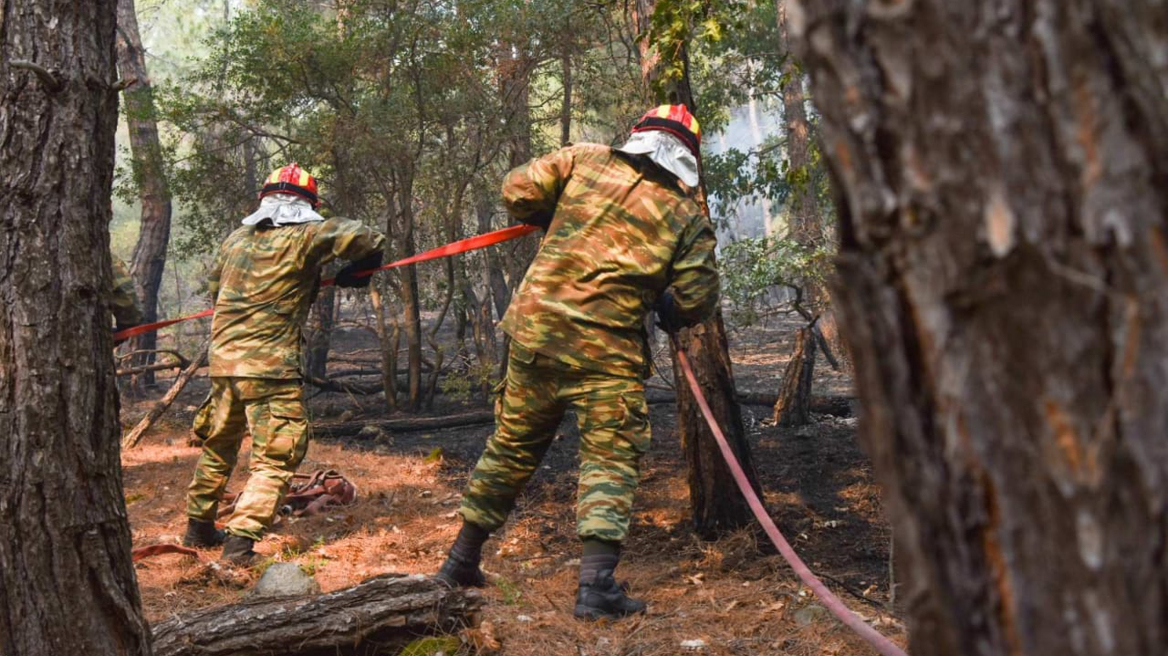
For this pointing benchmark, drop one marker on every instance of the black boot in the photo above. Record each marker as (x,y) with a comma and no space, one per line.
(238,551)
(604,598)
(599,594)
(202,534)
(461,569)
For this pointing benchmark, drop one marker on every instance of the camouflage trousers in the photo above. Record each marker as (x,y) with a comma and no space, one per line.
(273,412)
(614,433)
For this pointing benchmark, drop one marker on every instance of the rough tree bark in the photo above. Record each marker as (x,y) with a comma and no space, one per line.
(714,510)
(805,221)
(379,615)
(498,291)
(320,329)
(793,407)
(408,291)
(1003,172)
(149,258)
(66,582)
(566,102)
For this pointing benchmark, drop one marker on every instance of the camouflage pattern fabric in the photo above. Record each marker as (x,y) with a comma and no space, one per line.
(123,298)
(273,412)
(201,426)
(264,281)
(621,231)
(614,433)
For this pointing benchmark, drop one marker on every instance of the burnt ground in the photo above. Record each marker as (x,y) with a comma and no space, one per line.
(734,594)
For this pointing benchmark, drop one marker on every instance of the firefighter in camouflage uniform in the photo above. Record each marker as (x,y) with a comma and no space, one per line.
(265,278)
(624,237)
(123,299)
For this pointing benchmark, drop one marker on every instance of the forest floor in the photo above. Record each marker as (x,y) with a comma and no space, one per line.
(735,595)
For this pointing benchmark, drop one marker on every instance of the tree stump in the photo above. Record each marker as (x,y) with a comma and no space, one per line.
(382,613)
(793,407)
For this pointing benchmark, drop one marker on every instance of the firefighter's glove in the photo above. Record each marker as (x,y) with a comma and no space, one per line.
(119,328)
(347,277)
(538,219)
(666,310)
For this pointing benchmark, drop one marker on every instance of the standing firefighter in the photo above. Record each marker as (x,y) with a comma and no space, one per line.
(123,299)
(265,278)
(622,238)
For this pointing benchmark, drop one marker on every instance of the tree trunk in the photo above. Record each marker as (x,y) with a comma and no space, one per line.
(389,344)
(793,407)
(515,69)
(566,103)
(380,615)
(149,258)
(496,280)
(805,214)
(66,582)
(805,222)
(320,330)
(714,510)
(411,302)
(1003,171)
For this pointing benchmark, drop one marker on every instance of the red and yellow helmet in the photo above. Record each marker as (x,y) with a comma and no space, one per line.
(292,180)
(676,120)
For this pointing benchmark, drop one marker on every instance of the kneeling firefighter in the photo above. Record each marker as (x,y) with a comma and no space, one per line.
(623,238)
(265,278)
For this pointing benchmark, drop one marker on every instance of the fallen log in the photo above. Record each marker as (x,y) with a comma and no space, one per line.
(377,615)
(352,428)
(838,406)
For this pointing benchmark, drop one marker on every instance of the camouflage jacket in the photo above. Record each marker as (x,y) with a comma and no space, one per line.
(264,281)
(123,298)
(621,231)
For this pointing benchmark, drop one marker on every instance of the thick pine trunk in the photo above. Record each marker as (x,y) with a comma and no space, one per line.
(715,511)
(1003,171)
(716,505)
(66,582)
(149,259)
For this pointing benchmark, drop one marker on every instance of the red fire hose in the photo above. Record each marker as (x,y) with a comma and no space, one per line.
(833,604)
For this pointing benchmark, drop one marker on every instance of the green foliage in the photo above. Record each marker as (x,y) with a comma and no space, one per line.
(431,646)
(409,113)
(511,594)
(755,273)
(460,387)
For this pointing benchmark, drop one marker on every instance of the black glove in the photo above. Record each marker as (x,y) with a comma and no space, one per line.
(346,277)
(666,310)
(539,219)
(119,328)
